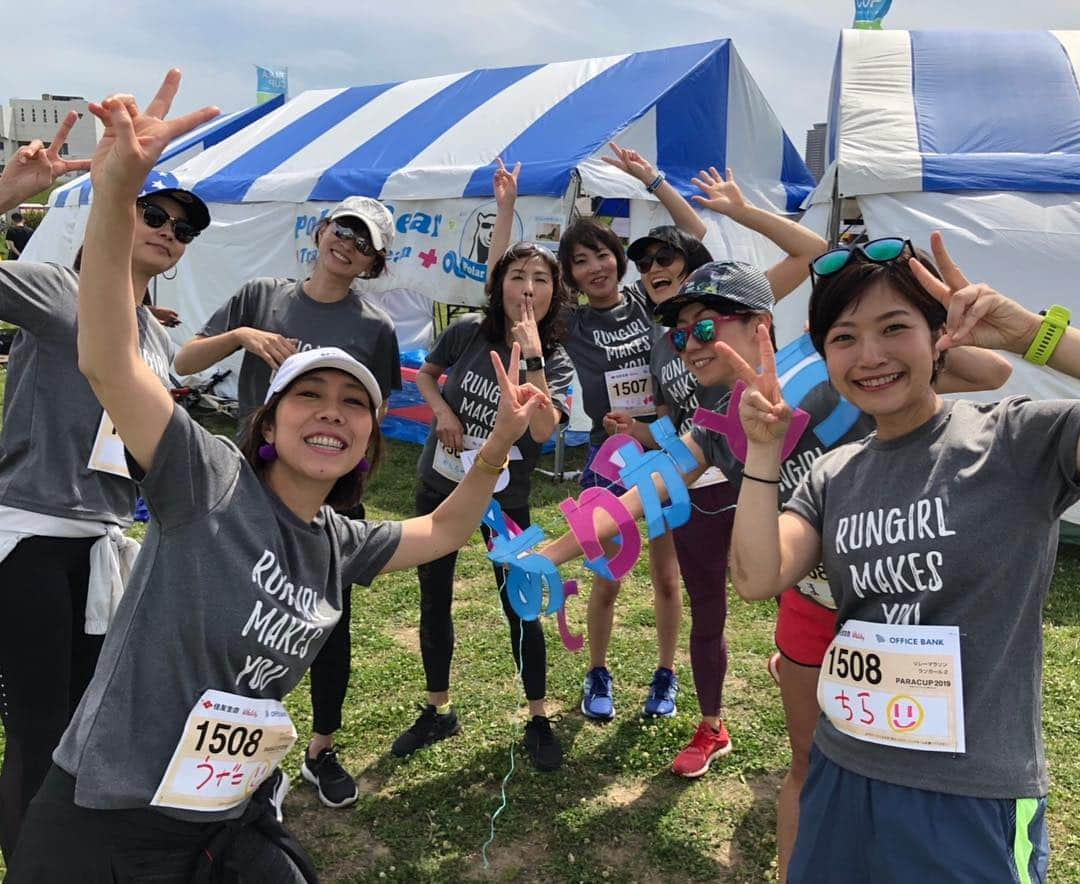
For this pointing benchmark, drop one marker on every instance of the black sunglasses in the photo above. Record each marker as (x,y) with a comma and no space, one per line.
(363,245)
(877,251)
(156,217)
(664,257)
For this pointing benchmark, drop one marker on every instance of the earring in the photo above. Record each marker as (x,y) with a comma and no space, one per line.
(165,275)
(363,466)
(268,452)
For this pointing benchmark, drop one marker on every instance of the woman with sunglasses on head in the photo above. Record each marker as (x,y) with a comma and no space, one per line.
(183,718)
(64,502)
(270,319)
(665,258)
(525,304)
(608,340)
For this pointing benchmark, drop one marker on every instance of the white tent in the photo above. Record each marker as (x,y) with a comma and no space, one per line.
(975,134)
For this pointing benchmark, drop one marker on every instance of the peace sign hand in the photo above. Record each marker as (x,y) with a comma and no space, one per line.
(764,414)
(632,163)
(517,402)
(505,184)
(526,332)
(133,139)
(35,167)
(721,195)
(977,315)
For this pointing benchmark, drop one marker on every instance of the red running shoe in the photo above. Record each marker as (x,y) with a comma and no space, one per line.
(704,746)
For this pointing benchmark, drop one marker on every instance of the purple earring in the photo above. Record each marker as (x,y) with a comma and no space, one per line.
(363,466)
(268,452)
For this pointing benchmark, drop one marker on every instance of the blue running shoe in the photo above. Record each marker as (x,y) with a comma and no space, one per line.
(661,700)
(596,695)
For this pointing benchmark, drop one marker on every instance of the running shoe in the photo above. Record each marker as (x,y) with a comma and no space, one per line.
(596,695)
(542,745)
(336,787)
(704,746)
(661,700)
(429,727)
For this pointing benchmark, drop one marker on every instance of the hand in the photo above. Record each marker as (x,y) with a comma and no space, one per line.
(505,184)
(271,348)
(632,163)
(721,195)
(525,331)
(619,422)
(978,316)
(133,139)
(517,402)
(167,317)
(762,410)
(35,167)
(449,431)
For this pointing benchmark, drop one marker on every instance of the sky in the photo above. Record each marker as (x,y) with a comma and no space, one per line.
(72,47)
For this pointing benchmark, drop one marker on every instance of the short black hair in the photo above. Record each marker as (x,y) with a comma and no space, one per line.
(593,235)
(16,217)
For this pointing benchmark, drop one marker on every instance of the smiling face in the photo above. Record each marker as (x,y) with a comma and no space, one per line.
(662,283)
(595,272)
(321,427)
(338,255)
(708,362)
(880,355)
(527,277)
(155,250)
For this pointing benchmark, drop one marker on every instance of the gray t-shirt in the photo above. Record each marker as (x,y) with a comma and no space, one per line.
(472,391)
(602,341)
(231,592)
(954,524)
(51,416)
(280,305)
(674,384)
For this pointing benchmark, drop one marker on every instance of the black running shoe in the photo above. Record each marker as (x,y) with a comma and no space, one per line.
(429,727)
(325,773)
(542,744)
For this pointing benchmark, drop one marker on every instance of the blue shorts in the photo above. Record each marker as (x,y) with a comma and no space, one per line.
(853,830)
(589,479)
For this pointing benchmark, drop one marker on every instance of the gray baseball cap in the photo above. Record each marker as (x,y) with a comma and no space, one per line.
(727,287)
(379,221)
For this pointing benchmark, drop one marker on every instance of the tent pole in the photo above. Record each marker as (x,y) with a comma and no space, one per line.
(835,211)
(574,190)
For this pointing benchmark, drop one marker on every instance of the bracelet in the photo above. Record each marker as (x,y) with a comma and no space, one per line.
(656,182)
(759,479)
(486,467)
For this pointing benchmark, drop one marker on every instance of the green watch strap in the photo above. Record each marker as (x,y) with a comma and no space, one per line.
(1052,329)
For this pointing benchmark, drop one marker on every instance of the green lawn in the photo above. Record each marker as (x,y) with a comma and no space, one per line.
(614,812)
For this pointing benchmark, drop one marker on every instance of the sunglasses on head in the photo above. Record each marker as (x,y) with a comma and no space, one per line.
(704,330)
(664,257)
(156,217)
(363,245)
(877,251)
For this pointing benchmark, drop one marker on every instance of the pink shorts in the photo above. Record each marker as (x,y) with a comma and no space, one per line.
(804,629)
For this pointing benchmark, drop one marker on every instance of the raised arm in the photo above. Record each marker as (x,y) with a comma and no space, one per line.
(633,163)
(722,195)
(130,392)
(35,167)
(505,187)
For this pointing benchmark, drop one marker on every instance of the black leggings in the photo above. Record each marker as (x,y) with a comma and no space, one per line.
(437,627)
(46,662)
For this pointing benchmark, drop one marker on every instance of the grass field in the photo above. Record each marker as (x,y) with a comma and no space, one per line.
(614,812)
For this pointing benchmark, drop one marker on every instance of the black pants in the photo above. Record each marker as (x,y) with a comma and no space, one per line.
(331,667)
(63,842)
(437,626)
(46,662)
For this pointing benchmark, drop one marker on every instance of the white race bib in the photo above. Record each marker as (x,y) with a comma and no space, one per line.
(815,586)
(895,685)
(454,466)
(107,455)
(712,476)
(229,745)
(630,390)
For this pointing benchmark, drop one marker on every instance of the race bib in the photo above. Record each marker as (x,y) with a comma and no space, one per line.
(107,455)
(895,685)
(454,466)
(448,463)
(630,390)
(229,745)
(815,586)
(712,476)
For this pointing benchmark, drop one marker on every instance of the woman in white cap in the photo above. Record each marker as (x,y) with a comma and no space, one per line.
(270,319)
(65,495)
(183,718)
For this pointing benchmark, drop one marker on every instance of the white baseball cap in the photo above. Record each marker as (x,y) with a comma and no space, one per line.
(323,357)
(379,221)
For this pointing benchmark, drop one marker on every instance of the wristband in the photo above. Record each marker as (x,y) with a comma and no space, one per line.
(485,467)
(656,182)
(1052,330)
(759,479)
(534,363)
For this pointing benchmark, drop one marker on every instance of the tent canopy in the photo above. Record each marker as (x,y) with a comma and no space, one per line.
(686,108)
(936,111)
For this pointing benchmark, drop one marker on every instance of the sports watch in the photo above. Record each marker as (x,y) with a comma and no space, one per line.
(1051,330)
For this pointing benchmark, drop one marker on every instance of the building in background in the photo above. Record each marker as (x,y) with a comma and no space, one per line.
(24,119)
(815,150)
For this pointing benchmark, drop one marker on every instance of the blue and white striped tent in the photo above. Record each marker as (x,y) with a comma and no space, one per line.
(975,134)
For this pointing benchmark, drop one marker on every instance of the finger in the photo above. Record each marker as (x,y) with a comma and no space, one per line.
(758,405)
(62,133)
(716,175)
(765,352)
(76,165)
(26,154)
(730,175)
(98,111)
(514,368)
(700,200)
(502,166)
(159,106)
(120,120)
(184,124)
(937,289)
(500,373)
(517,171)
(952,274)
(742,370)
(529,308)
(976,305)
(700,184)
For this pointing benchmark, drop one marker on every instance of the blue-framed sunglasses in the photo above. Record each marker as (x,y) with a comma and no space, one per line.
(877,251)
(704,330)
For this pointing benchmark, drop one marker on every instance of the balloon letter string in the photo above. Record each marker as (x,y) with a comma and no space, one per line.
(729,426)
(570,641)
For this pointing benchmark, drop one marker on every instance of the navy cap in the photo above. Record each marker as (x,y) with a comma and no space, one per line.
(728,287)
(167,184)
(692,248)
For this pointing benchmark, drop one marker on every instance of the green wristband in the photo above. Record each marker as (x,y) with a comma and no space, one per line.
(1052,330)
